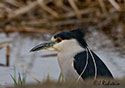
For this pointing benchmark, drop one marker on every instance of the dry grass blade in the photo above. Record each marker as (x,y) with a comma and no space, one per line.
(104,23)
(16,15)
(70,22)
(14,3)
(47,9)
(115,4)
(85,11)
(59,3)
(103,7)
(30,73)
(4,44)
(72,3)
(23,10)
(27,30)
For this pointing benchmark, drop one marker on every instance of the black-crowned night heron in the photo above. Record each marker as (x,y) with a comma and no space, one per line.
(75,58)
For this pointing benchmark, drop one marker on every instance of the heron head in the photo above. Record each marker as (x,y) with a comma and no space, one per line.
(63,40)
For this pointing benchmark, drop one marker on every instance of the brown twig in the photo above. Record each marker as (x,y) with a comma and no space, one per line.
(49,55)
(72,3)
(7,55)
(5,44)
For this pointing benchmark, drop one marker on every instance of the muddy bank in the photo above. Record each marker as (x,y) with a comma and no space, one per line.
(105,83)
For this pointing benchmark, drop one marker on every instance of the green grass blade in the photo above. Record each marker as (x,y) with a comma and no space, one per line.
(15,81)
(14,72)
(59,78)
(19,79)
(48,77)
(24,78)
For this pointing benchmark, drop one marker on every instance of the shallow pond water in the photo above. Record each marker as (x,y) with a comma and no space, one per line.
(41,66)
(20,55)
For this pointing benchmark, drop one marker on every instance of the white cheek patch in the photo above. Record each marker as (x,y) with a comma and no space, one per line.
(68,45)
(52,39)
(57,46)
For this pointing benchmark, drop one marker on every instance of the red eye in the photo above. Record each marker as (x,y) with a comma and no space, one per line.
(59,39)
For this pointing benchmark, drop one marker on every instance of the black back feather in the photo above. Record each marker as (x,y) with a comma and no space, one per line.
(80,61)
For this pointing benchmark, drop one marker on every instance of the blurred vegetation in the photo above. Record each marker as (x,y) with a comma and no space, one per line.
(99,83)
(20,80)
(50,16)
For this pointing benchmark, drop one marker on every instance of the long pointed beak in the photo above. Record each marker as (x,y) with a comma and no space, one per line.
(43,46)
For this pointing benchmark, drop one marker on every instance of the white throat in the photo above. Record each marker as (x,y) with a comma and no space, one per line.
(67,49)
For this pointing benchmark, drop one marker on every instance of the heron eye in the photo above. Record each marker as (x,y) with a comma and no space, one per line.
(59,39)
